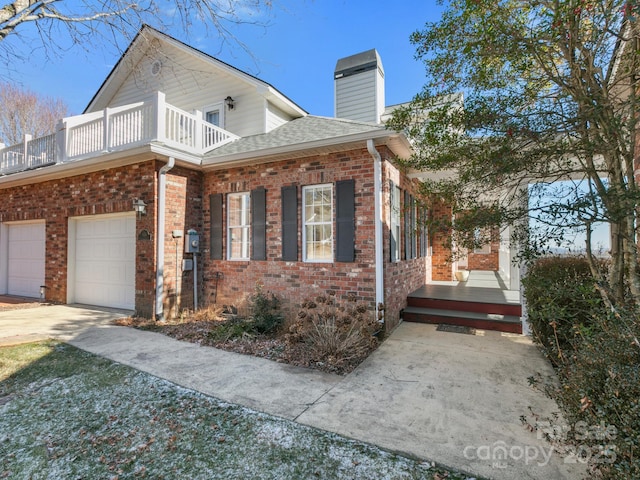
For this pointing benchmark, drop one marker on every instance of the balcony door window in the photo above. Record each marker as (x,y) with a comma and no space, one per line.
(214,114)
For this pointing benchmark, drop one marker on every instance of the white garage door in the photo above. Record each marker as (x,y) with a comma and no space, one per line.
(105,261)
(25,269)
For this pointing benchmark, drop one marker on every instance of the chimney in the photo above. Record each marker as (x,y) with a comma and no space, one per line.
(359,87)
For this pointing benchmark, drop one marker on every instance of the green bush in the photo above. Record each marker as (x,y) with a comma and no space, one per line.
(596,354)
(562,304)
(262,317)
(265,311)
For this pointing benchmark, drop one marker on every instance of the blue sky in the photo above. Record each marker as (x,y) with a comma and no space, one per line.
(296,53)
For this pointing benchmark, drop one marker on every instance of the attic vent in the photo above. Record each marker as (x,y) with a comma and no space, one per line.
(156,67)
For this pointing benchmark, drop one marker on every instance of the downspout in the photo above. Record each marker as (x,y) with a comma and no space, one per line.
(162,194)
(378,250)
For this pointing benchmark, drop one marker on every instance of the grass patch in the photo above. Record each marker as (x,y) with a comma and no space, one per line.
(65,413)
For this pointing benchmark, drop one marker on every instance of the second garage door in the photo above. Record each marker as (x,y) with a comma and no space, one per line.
(26,247)
(105,261)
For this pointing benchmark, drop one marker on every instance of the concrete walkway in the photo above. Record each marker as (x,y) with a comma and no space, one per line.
(451,398)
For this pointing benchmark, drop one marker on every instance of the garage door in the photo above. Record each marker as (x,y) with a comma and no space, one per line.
(25,269)
(105,261)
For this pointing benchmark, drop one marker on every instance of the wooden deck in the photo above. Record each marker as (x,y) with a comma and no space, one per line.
(481,302)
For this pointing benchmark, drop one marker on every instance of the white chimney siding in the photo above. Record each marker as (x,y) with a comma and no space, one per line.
(359,87)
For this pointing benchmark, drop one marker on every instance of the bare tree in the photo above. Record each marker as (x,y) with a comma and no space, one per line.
(26,112)
(57,25)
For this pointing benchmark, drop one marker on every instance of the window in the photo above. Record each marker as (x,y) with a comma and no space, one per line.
(317,233)
(395,222)
(214,114)
(238,224)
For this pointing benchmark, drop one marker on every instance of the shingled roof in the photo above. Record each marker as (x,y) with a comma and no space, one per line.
(300,133)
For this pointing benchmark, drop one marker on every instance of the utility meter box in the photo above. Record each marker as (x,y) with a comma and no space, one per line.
(192,242)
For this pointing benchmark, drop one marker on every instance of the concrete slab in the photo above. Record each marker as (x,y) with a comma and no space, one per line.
(60,321)
(446,397)
(451,398)
(261,384)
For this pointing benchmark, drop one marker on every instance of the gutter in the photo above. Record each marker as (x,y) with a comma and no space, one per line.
(378,250)
(162,194)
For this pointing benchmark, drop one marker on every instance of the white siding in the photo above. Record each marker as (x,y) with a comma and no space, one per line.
(360,97)
(191,83)
(275,117)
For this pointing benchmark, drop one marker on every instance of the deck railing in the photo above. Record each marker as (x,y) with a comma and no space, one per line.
(116,129)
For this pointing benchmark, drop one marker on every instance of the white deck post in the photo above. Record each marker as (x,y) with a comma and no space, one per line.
(61,142)
(106,130)
(160,117)
(199,132)
(25,156)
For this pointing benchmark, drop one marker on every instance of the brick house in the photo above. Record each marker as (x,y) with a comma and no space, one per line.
(298,203)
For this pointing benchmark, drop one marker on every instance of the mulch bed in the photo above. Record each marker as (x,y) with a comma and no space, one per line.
(271,347)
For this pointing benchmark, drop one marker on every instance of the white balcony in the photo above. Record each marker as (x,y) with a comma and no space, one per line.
(113,130)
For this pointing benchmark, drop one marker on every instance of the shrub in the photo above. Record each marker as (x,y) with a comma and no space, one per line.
(333,334)
(596,354)
(562,303)
(265,311)
(261,315)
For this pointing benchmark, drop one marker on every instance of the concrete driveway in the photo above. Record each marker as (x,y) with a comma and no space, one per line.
(446,397)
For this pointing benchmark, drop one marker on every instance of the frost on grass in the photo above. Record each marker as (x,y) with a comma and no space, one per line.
(108,421)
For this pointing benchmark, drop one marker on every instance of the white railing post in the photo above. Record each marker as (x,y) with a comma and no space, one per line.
(106,130)
(160,117)
(25,149)
(61,142)
(199,131)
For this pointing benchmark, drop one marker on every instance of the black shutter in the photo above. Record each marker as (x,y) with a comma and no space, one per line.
(215,215)
(345,220)
(423,232)
(407,226)
(413,227)
(393,241)
(289,199)
(259,224)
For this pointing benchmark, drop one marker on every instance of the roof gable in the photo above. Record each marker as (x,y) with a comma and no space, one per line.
(149,41)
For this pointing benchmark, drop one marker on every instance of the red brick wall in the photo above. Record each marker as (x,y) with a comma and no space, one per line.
(183,211)
(404,276)
(294,281)
(441,260)
(107,191)
(489,261)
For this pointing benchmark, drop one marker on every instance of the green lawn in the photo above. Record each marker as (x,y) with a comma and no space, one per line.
(65,413)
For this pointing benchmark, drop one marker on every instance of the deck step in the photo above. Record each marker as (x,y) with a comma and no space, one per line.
(507,309)
(479,320)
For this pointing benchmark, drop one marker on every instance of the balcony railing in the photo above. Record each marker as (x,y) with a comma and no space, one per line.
(113,130)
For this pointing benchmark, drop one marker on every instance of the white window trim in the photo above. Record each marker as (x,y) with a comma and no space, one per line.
(214,106)
(246,226)
(304,224)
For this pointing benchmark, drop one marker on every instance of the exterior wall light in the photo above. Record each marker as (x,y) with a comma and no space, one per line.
(229,102)
(139,207)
